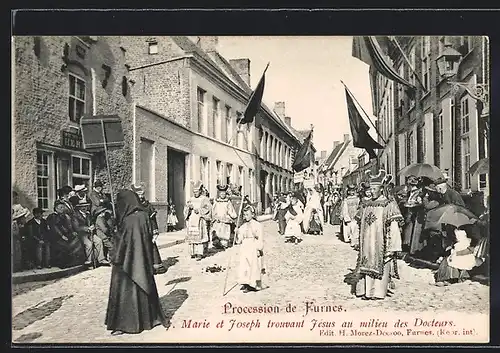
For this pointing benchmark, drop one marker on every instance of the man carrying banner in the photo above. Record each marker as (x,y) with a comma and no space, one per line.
(380,240)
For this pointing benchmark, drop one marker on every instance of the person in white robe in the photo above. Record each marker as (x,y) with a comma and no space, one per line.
(380,241)
(223,216)
(313,203)
(294,217)
(197,214)
(348,211)
(250,237)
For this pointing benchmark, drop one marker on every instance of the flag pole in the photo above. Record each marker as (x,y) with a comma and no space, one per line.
(370,120)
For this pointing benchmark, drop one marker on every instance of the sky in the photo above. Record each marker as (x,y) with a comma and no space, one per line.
(306,74)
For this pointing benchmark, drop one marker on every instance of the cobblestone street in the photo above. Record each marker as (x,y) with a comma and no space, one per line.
(72,310)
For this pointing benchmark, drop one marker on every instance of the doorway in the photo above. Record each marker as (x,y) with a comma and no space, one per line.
(176,167)
(263,195)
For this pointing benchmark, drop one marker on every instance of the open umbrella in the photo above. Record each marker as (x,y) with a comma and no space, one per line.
(449,214)
(422,170)
(482,166)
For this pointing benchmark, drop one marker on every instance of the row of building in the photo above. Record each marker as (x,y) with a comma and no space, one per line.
(443,122)
(178,101)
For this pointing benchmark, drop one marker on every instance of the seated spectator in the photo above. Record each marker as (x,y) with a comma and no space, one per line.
(104,230)
(37,239)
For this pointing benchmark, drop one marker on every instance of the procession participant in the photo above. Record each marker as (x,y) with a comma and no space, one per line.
(157,262)
(294,217)
(94,248)
(196,213)
(65,245)
(380,240)
(415,216)
(96,197)
(365,195)
(37,234)
(348,211)
(223,215)
(327,205)
(250,237)
(313,203)
(133,304)
(335,209)
(171,217)
(281,209)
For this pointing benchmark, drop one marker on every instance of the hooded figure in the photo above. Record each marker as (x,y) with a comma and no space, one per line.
(158,263)
(133,304)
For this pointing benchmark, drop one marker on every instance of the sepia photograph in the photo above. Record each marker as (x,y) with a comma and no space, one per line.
(257,189)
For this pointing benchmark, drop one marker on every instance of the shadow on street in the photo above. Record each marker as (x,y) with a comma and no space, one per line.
(170,261)
(171,302)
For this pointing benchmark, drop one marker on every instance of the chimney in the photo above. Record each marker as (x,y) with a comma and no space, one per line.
(242,67)
(209,43)
(288,121)
(346,137)
(279,108)
(323,155)
(335,144)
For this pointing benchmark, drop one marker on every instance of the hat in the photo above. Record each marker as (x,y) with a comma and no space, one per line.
(412,180)
(381,178)
(19,211)
(197,185)
(441,180)
(98,184)
(80,188)
(249,208)
(364,185)
(222,187)
(137,188)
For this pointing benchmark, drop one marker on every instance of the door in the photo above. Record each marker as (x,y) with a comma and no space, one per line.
(177,183)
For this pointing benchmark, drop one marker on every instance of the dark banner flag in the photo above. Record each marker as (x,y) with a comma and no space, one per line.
(303,156)
(359,129)
(255,101)
(368,51)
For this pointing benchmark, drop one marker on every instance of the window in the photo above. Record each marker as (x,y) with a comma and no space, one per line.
(240,133)
(466,161)
(147,168)
(229,173)
(411,67)
(76,98)
(409,148)
(249,137)
(466,43)
(153,48)
(220,173)
(426,62)
(229,125)
(201,110)
(43,179)
(204,172)
(241,177)
(483,181)
(81,171)
(215,118)
(440,130)
(464,111)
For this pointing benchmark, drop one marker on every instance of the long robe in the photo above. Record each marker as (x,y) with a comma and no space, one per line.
(251,236)
(348,212)
(314,203)
(415,220)
(294,219)
(380,238)
(157,261)
(197,224)
(223,215)
(133,304)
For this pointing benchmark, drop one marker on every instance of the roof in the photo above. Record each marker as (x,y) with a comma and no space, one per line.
(333,155)
(218,61)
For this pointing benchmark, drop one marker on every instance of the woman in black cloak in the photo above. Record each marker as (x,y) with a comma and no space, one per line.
(133,305)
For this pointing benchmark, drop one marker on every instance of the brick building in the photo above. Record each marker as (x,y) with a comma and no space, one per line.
(56,81)
(188,98)
(444,122)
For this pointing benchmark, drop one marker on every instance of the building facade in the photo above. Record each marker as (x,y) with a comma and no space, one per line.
(57,80)
(444,121)
(194,96)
